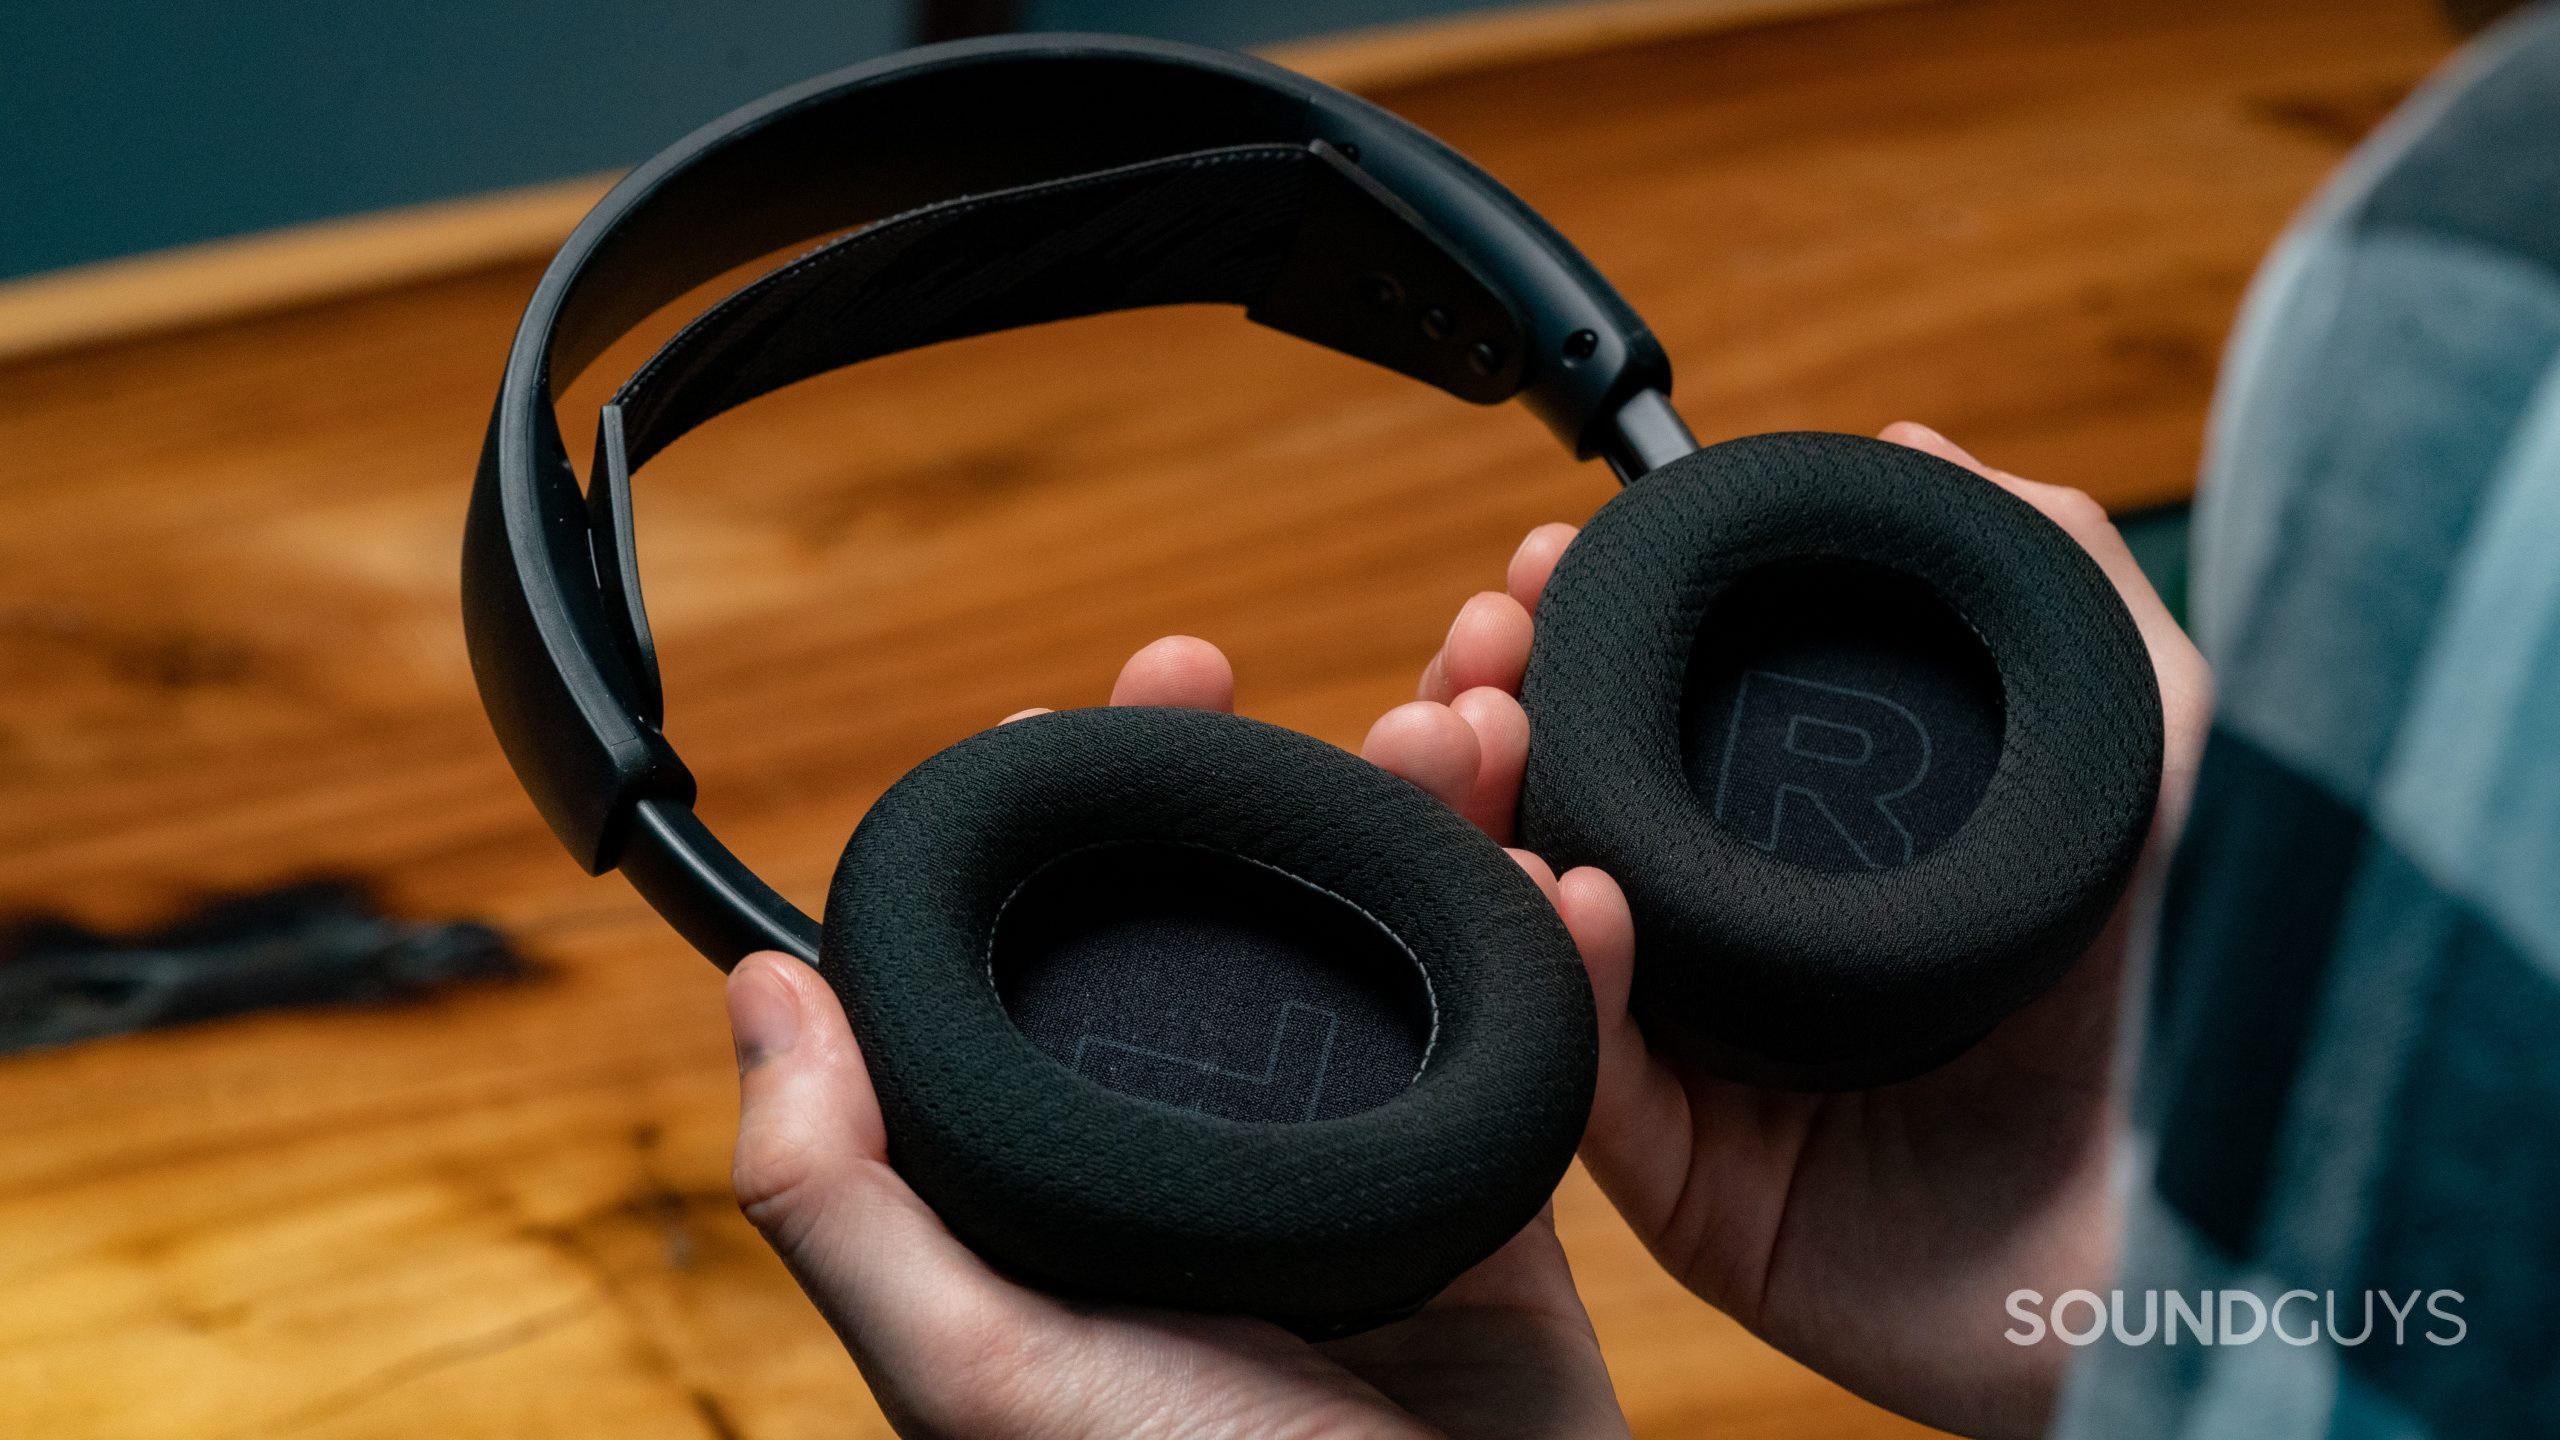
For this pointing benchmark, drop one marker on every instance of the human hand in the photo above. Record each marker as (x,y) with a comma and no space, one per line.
(1874,1235)
(952,1348)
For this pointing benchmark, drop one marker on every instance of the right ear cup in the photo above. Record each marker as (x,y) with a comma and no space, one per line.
(1181,1009)
(1870,743)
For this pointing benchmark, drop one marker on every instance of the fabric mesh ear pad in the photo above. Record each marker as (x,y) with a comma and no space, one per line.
(1226,950)
(1870,743)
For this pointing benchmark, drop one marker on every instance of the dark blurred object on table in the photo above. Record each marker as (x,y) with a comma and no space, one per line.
(321,942)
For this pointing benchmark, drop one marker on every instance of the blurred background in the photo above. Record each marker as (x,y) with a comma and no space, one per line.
(151,123)
(336,1102)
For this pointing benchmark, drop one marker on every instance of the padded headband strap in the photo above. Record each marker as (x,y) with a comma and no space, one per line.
(1255,225)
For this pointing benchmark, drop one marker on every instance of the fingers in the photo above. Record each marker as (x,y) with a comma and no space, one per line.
(1476,674)
(1488,644)
(1541,873)
(804,1098)
(1429,745)
(1595,913)
(1635,1097)
(2186,684)
(1502,757)
(1916,436)
(1434,684)
(1535,560)
(1639,1141)
(912,1304)
(1469,753)
(2080,516)
(1604,929)
(1178,670)
(812,1164)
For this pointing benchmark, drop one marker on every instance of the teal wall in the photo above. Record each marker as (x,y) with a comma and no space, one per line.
(129,125)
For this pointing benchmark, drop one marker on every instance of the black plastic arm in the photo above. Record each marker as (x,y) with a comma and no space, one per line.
(717,904)
(1644,435)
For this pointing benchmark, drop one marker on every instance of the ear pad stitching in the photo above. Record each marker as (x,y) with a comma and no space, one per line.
(1430,992)
(1772,970)
(1081,1189)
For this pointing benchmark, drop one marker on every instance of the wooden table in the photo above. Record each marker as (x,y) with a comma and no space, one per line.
(229,655)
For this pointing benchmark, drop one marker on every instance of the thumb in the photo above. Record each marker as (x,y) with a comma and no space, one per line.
(809,1129)
(812,1164)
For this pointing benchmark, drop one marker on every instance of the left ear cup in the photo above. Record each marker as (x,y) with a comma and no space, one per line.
(1871,745)
(1181,1009)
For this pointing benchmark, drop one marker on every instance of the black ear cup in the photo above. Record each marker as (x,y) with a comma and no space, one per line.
(1183,1009)
(1871,744)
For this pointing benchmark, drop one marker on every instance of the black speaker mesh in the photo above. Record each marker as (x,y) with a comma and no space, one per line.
(1208,982)
(1839,715)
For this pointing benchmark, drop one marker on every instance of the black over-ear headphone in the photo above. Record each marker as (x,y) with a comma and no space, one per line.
(1185,1009)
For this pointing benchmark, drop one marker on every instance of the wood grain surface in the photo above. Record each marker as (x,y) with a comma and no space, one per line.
(230,655)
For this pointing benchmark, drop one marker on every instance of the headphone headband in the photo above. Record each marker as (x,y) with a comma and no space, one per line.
(1169,174)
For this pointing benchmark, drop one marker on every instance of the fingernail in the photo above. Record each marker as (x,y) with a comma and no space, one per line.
(764,1015)
(1469,608)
